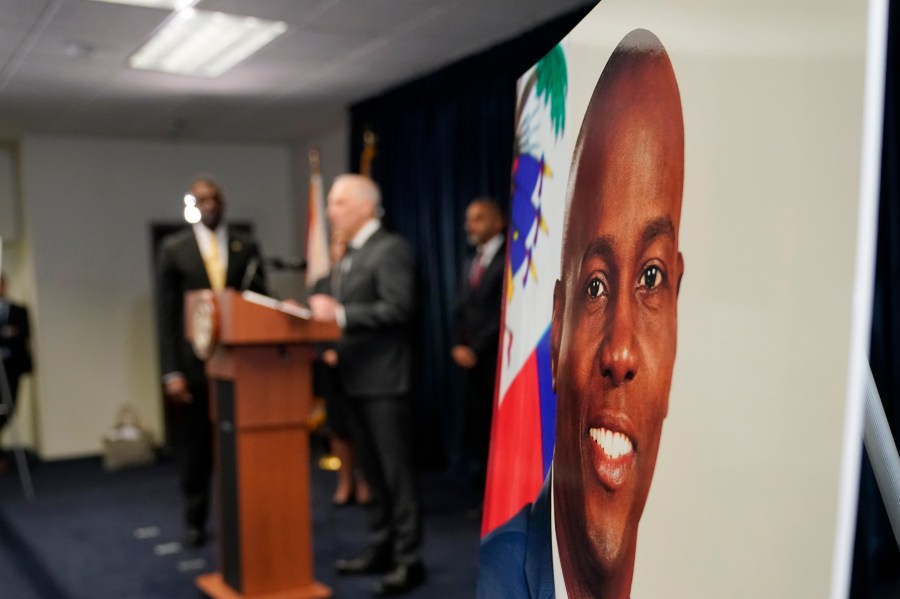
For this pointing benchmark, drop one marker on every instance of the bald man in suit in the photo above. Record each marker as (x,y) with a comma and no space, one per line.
(374,306)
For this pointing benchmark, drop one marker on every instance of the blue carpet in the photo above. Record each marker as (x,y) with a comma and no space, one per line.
(13,580)
(90,534)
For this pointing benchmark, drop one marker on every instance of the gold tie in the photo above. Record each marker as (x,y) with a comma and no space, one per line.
(215,270)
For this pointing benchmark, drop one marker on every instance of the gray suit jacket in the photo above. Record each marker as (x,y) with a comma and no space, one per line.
(378,293)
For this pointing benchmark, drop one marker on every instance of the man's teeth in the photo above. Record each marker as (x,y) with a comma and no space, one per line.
(613,444)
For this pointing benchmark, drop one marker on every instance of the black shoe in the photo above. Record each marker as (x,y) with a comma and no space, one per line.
(401,579)
(194,537)
(370,561)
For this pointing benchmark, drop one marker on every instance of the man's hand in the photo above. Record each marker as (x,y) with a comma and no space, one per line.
(330,357)
(176,390)
(323,307)
(463,356)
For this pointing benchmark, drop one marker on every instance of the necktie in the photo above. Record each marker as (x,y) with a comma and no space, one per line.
(476,271)
(341,270)
(215,270)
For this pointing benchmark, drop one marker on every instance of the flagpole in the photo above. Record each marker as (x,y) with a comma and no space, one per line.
(316,233)
(368,153)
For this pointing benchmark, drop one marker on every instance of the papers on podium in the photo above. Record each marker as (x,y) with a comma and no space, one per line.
(271,302)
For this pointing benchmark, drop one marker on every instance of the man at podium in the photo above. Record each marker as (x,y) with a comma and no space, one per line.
(209,255)
(373,303)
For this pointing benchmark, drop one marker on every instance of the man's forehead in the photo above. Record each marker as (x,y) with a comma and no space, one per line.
(345,190)
(477,209)
(204,188)
(615,224)
(624,185)
(604,197)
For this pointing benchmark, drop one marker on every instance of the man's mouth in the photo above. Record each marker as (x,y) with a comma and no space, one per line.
(612,456)
(614,444)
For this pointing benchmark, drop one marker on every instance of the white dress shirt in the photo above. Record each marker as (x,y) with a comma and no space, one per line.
(359,240)
(205,238)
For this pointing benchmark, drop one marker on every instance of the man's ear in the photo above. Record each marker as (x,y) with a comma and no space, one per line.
(556,328)
(680,272)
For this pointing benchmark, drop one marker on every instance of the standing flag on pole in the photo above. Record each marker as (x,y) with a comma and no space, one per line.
(368,154)
(524,423)
(317,262)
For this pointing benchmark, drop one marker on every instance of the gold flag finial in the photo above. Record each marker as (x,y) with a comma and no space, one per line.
(368,153)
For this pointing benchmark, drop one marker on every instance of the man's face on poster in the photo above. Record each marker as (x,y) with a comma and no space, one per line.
(614,327)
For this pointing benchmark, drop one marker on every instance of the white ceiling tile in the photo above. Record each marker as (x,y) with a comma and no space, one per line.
(335,52)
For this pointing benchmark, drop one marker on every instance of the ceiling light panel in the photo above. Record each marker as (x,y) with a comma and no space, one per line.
(164,4)
(204,43)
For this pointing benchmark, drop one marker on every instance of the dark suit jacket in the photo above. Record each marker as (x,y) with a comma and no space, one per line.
(323,375)
(516,559)
(477,322)
(19,360)
(378,295)
(180,268)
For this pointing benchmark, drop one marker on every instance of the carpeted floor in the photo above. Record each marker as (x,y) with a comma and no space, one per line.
(93,534)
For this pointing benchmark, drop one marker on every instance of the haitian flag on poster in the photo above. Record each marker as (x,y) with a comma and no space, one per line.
(524,422)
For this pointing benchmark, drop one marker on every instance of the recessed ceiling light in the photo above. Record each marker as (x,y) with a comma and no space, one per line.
(204,43)
(78,50)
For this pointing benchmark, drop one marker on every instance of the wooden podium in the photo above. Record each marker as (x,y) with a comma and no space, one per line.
(259,366)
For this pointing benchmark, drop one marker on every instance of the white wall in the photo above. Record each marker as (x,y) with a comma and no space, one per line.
(88,205)
(9,193)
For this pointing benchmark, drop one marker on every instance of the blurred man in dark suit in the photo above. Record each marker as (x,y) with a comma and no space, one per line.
(476,328)
(14,334)
(373,302)
(209,255)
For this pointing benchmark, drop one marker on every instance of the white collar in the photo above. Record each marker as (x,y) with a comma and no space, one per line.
(489,248)
(364,233)
(203,233)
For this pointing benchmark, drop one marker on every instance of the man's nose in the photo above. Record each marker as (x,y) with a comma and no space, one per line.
(618,350)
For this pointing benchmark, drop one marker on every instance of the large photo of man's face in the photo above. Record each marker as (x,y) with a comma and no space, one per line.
(614,321)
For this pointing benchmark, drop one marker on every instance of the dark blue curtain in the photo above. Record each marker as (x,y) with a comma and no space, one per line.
(876,562)
(442,141)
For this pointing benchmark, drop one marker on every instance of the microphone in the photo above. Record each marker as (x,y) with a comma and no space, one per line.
(286,263)
(249,272)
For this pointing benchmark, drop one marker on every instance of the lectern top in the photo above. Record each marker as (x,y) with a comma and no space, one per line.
(243,322)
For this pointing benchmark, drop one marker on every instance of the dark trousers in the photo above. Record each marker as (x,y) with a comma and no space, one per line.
(381,432)
(194,448)
(12,378)
(479,411)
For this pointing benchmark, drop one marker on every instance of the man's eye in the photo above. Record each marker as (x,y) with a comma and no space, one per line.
(651,277)
(595,287)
